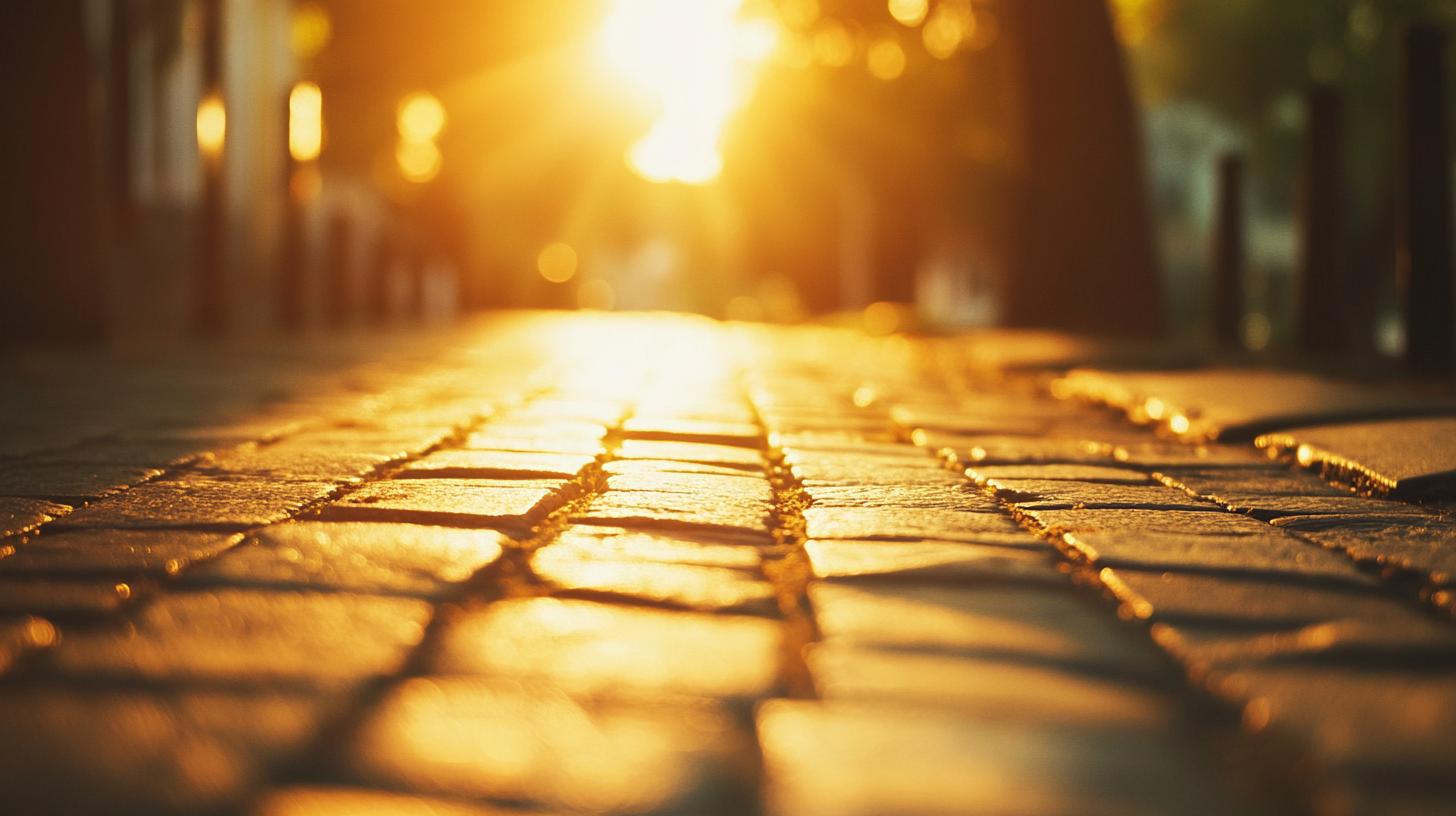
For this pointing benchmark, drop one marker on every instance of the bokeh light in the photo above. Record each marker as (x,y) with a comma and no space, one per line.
(557,262)
(596,294)
(421,117)
(833,45)
(305,122)
(885,58)
(947,28)
(909,12)
(211,125)
(419,162)
(310,30)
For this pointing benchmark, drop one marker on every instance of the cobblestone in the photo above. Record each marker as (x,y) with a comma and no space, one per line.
(251,636)
(404,559)
(506,503)
(20,515)
(145,751)
(115,553)
(480,739)
(660,565)
(596,649)
(842,759)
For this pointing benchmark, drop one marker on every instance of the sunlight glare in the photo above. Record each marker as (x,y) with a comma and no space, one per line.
(696,60)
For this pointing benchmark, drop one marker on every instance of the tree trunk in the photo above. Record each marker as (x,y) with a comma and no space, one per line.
(51,211)
(1085,260)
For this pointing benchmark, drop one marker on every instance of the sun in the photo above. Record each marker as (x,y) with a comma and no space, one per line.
(697,61)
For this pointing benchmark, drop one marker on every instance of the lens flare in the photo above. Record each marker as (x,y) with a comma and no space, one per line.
(697,62)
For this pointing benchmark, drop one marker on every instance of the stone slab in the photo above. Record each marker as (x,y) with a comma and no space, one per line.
(115,553)
(138,751)
(601,650)
(404,559)
(474,739)
(685,586)
(932,561)
(1237,405)
(21,515)
(1405,457)
(486,464)
(1030,624)
(841,759)
(451,502)
(886,523)
(620,544)
(270,638)
(1008,691)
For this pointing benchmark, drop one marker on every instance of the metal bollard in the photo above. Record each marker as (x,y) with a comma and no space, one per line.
(1226,261)
(1320,322)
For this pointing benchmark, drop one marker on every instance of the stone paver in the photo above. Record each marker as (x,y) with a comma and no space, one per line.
(598,649)
(1238,405)
(118,553)
(404,559)
(851,760)
(1407,457)
(253,636)
(509,503)
(647,564)
(473,738)
(590,541)
(955,562)
(20,515)
(83,750)
(1028,624)
(487,464)
(689,586)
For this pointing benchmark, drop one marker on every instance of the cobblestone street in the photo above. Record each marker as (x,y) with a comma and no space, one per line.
(663,565)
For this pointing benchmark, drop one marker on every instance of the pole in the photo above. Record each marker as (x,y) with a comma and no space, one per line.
(1227,257)
(1423,265)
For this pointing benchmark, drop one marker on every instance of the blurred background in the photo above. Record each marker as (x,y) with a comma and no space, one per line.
(229,167)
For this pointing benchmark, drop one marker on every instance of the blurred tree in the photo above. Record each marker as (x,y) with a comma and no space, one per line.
(1249,63)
